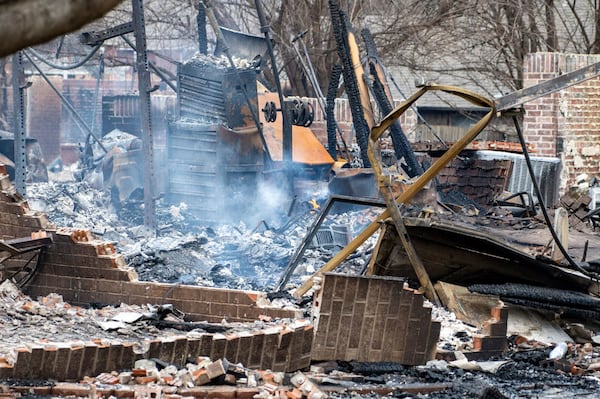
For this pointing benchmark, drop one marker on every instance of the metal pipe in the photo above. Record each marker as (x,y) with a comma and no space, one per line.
(144,84)
(154,68)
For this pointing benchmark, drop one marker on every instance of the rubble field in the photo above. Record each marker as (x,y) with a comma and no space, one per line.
(253,258)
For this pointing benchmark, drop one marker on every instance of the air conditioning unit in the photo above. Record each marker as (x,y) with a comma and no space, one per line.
(546,171)
(595,196)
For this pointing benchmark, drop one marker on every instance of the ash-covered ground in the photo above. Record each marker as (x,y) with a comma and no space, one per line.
(187,251)
(255,257)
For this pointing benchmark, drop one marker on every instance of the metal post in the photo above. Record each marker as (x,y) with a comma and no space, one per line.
(287,158)
(144,86)
(19,125)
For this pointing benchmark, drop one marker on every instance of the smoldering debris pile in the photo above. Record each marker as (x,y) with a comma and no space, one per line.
(189,252)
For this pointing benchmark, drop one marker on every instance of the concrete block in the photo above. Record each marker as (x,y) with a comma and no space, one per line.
(215,369)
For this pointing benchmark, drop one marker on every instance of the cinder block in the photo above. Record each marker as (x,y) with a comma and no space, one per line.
(50,355)
(37,361)
(494,329)
(243,353)
(496,344)
(231,346)
(193,348)
(101,359)
(256,350)
(205,345)
(114,357)
(62,362)
(167,350)
(271,338)
(6,370)
(154,349)
(217,350)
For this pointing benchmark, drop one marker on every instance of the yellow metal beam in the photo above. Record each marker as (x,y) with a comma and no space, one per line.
(425,178)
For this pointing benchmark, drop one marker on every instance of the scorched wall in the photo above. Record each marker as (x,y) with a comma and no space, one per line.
(565,124)
(85,270)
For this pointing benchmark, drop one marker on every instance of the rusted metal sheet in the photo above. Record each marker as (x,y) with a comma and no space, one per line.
(460,254)
(306,147)
(208,162)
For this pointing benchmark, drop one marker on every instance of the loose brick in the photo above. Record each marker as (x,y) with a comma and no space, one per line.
(50,355)
(73,369)
(215,369)
(22,363)
(180,351)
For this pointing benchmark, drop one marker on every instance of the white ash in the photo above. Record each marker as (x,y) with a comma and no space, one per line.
(454,334)
(222,62)
(185,251)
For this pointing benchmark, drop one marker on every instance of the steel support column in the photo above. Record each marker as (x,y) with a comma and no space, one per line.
(18,86)
(144,86)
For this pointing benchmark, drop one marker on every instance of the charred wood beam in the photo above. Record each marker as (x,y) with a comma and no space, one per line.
(31,22)
(336,72)
(382,95)
(339,22)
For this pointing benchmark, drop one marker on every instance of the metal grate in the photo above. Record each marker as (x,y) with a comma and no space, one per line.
(546,171)
(329,237)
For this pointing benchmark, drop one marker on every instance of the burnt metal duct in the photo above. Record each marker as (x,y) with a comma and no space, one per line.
(243,45)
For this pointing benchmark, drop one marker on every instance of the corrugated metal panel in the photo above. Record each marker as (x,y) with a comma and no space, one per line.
(193,171)
(546,172)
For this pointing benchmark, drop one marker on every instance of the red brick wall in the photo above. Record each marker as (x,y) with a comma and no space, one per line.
(372,319)
(84,269)
(283,347)
(565,124)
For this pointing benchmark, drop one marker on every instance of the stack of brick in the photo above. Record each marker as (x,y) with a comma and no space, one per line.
(492,342)
(372,319)
(285,347)
(577,205)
